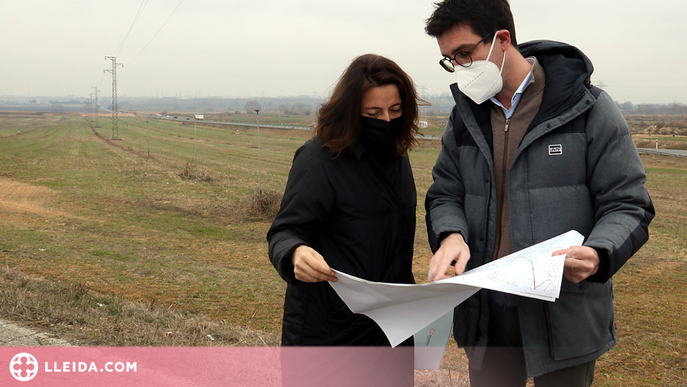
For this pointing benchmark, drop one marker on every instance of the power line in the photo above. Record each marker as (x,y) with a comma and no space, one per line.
(158,31)
(138,14)
(103,76)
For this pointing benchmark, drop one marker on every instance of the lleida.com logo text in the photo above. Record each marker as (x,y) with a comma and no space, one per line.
(25,367)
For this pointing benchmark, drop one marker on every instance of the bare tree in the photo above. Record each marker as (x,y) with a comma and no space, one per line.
(299,108)
(645,108)
(252,106)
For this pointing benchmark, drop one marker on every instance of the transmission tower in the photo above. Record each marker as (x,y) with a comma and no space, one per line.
(424,91)
(90,104)
(115,108)
(95,108)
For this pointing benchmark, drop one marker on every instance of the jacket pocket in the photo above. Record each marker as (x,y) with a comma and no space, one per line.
(581,320)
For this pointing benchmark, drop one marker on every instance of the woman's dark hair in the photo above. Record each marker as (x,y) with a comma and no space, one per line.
(482,16)
(338,121)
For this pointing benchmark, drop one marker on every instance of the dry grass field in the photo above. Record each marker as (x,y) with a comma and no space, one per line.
(118,242)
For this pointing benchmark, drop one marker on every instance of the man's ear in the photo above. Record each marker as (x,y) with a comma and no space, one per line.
(503,39)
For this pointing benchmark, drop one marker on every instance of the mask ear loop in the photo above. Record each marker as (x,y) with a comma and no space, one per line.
(492,48)
(492,45)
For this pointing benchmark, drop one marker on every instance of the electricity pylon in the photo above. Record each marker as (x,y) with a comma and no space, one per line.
(115,108)
(95,108)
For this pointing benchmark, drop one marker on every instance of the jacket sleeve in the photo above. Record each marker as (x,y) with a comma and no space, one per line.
(307,199)
(623,209)
(446,196)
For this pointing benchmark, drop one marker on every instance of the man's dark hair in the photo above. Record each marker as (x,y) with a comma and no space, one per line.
(482,16)
(338,121)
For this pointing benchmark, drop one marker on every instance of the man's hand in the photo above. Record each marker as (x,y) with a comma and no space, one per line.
(453,248)
(310,266)
(581,262)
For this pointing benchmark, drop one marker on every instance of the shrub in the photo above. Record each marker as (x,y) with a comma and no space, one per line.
(192,172)
(264,203)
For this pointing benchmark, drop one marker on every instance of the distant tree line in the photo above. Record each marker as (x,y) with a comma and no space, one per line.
(441,104)
(298,108)
(670,109)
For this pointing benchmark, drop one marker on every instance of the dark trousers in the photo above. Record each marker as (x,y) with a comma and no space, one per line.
(504,359)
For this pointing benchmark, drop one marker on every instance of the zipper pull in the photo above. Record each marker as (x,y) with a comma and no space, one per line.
(507,123)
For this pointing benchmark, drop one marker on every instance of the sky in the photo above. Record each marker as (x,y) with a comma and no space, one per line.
(271,48)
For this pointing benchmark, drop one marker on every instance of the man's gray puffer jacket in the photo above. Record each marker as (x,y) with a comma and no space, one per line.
(576,169)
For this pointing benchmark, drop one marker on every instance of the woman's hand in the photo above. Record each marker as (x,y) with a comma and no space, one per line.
(310,266)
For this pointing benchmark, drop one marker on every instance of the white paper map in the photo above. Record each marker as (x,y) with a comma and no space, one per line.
(401,310)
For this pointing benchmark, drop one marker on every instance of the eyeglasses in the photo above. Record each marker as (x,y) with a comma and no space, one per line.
(463,58)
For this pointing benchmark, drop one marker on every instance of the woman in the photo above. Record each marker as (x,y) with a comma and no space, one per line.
(349,205)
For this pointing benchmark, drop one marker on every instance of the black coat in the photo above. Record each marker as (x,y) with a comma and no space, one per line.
(361,219)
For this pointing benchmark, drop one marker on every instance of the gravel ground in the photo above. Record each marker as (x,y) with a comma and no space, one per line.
(12,335)
(440,378)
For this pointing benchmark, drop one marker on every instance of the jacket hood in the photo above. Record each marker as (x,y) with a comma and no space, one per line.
(560,51)
(568,72)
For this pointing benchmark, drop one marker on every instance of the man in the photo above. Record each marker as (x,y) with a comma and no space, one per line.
(531,151)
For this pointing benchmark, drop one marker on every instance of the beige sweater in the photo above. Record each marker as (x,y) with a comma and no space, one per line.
(506,142)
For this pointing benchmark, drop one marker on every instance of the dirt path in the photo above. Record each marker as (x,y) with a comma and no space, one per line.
(23,204)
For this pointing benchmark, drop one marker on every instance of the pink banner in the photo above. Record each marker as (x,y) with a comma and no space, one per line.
(203,366)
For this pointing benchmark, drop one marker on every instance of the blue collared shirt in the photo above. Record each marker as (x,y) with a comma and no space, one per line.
(518,93)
